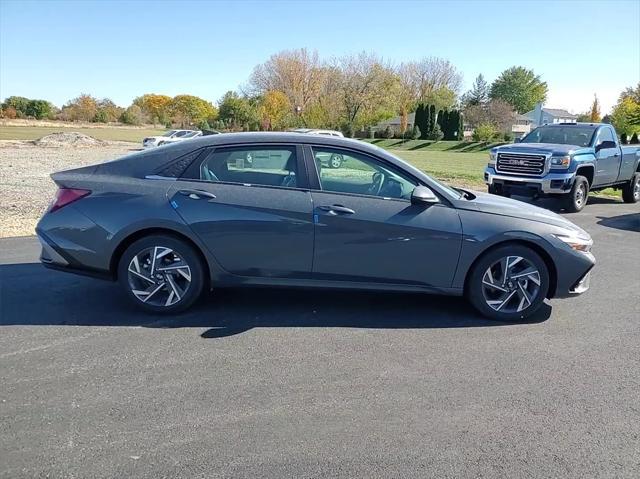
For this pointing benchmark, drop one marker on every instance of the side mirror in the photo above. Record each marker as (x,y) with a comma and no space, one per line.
(605,145)
(422,195)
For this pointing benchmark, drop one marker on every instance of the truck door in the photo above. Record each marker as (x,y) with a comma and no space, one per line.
(608,157)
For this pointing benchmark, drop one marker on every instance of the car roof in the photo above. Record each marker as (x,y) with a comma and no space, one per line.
(555,125)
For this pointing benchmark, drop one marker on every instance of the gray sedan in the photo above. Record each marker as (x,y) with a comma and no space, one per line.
(172,222)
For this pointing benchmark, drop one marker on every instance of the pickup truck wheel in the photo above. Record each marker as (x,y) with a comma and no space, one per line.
(577,197)
(631,191)
(508,283)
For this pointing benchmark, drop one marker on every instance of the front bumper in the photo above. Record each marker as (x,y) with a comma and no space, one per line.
(551,183)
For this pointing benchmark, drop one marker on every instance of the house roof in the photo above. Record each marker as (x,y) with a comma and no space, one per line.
(559,112)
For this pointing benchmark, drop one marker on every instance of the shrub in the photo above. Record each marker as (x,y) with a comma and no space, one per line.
(634,139)
(101,117)
(203,125)
(132,115)
(508,137)
(436,134)
(624,139)
(347,130)
(10,113)
(415,134)
(484,132)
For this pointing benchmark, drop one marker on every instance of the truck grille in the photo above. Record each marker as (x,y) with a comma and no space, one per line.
(519,164)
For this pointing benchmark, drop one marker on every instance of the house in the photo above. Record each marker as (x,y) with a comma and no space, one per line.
(521,126)
(546,116)
(394,123)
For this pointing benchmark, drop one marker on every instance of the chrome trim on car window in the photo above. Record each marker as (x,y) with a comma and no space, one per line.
(159,177)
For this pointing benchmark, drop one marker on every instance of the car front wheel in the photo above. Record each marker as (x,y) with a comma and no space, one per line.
(577,198)
(509,283)
(335,161)
(161,274)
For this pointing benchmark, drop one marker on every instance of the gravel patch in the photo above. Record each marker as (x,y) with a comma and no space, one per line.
(25,186)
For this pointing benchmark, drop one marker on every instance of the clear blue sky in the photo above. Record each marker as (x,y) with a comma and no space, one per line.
(121,49)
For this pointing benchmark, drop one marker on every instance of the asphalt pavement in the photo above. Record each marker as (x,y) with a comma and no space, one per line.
(286,383)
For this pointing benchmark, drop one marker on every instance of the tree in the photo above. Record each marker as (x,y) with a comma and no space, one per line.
(632,93)
(431,126)
(479,93)
(429,75)
(18,103)
(107,111)
(625,116)
(519,87)
(594,114)
(188,110)
(132,115)
(39,109)
(364,85)
(422,121)
(236,111)
(274,110)
(296,73)
(81,108)
(155,107)
(496,112)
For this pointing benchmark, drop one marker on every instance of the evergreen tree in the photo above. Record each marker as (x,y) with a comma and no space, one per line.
(479,93)
(432,120)
(460,127)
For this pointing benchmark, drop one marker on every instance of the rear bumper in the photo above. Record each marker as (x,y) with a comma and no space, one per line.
(53,257)
(551,183)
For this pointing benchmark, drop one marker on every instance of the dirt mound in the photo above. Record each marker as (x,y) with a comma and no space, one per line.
(71,138)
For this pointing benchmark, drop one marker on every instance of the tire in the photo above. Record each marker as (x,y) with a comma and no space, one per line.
(508,304)
(631,190)
(492,190)
(335,161)
(577,198)
(169,290)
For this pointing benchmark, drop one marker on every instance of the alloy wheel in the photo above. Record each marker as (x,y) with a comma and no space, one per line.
(159,276)
(511,284)
(580,195)
(636,189)
(336,161)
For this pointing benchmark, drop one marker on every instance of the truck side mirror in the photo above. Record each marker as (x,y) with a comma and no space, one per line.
(605,145)
(422,195)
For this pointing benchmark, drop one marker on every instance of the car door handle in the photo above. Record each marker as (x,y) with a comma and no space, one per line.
(197,194)
(337,209)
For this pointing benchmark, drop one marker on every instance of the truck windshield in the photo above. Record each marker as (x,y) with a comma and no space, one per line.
(561,135)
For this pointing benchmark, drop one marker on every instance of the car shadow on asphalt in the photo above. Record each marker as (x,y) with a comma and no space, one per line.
(628,222)
(31,295)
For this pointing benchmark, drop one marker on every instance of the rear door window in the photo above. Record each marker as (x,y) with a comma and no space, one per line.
(260,165)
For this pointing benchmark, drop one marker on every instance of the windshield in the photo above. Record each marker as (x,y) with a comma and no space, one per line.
(169,133)
(561,135)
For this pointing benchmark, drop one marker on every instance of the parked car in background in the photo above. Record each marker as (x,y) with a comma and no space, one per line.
(172,136)
(566,161)
(332,161)
(197,217)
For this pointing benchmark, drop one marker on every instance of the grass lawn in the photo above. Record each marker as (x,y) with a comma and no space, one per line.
(116,134)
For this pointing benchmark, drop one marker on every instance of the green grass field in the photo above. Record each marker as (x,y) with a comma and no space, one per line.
(115,134)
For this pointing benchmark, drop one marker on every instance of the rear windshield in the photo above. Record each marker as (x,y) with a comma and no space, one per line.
(562,135)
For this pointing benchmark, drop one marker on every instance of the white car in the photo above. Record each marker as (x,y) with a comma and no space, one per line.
(172,136)
(314,131)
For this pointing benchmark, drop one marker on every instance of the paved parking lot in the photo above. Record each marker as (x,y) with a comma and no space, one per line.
(281,383)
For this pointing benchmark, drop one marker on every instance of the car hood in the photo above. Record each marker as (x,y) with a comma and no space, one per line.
(517,209)
(543,148)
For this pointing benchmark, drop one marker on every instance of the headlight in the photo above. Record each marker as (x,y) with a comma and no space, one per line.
(492,159)
(560,162)
(577,243)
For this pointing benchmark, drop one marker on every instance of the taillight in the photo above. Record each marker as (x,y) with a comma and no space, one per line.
(66,196)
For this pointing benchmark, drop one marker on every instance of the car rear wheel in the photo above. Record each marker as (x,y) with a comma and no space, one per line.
(161,274)
(631,191)
(509,283)
(577,198)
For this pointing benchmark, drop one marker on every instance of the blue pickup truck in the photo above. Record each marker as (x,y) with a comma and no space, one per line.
(565,160)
